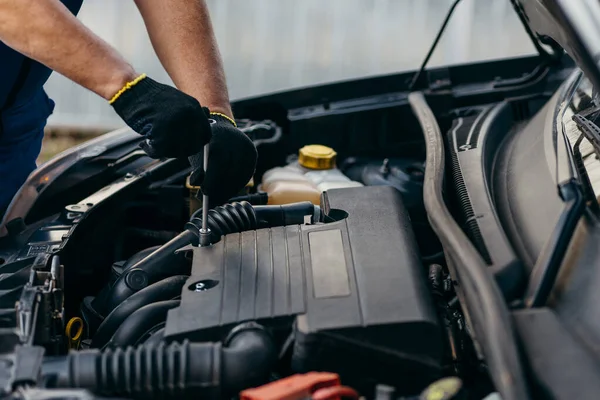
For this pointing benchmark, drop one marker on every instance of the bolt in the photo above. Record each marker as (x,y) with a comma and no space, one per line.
(203,285)
(385,167)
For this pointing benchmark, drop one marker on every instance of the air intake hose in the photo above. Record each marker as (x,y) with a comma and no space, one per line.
(167,289)
(222,220)
(141,323)
(241,217)
(177,371)
(225,219)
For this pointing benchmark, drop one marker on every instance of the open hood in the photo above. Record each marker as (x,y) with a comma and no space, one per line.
(573,25)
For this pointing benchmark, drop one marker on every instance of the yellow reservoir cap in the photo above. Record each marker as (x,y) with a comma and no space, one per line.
(316,156)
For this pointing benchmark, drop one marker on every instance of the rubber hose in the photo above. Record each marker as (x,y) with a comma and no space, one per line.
(225,219)
(97,304)
(167,289)
(175,371)
(140,323)
(241,217)
(255,199)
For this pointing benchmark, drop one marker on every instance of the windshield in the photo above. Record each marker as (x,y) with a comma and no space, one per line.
(272,45)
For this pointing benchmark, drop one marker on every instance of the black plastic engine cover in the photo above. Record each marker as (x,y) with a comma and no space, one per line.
(355,288)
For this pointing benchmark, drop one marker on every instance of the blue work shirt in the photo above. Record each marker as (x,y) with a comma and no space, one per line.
(24,109)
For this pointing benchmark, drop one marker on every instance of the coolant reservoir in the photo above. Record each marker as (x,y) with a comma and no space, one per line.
(305,180)
(285,192)
(286,174)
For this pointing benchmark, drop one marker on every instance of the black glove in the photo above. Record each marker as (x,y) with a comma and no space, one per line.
(173,123)
(231,162)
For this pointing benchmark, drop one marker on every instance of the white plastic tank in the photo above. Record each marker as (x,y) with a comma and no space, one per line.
(305,180)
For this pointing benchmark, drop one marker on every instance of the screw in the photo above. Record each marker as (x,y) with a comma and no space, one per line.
(385,167)
(203,285)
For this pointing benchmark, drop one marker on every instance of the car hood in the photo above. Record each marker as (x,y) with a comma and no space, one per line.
(574,25)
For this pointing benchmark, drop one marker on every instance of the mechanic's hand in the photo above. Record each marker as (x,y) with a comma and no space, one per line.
(231,162)
(173,123)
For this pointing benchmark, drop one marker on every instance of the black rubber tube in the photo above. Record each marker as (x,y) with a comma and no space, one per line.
(98,303)
(167,289)
(240,217)
(141,322)
(484,301)
(176,371)
(225,219)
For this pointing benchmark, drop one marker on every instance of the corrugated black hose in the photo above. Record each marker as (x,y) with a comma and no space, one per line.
(174,371)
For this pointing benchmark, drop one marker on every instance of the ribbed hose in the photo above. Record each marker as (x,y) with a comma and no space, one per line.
(225,219)
(242,216)
(177,371)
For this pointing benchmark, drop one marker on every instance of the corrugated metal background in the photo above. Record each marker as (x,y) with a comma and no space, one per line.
(270,45)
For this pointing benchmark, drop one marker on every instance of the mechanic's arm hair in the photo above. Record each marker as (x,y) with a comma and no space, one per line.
(47,32)
(182,36)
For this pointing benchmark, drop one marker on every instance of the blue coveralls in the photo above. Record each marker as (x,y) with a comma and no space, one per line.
(24,109)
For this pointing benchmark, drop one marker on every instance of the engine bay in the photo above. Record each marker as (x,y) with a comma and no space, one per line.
(326,263)
(289,288)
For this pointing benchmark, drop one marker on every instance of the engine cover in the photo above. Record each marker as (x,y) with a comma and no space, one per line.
(354,289)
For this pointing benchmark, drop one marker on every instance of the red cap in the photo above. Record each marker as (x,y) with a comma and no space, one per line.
(295,387)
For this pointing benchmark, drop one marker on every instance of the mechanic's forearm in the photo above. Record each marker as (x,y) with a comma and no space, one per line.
(183,38)
(47,32)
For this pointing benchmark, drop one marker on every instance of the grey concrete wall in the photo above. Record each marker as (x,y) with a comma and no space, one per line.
(271,45)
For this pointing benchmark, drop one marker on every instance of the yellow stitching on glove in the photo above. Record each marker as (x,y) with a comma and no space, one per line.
(127,86)
(224,116)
